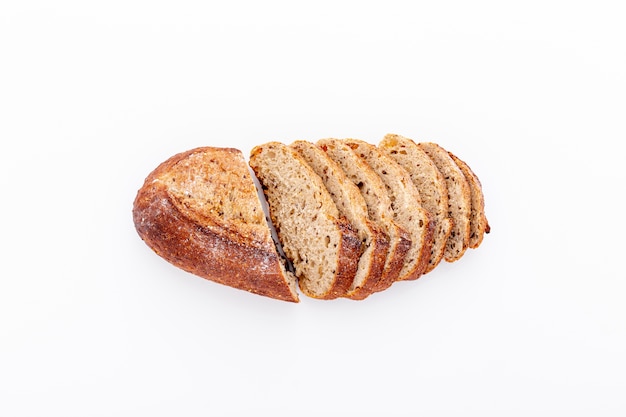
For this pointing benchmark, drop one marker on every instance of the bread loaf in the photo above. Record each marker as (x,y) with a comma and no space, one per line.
(350,218)
(200,211)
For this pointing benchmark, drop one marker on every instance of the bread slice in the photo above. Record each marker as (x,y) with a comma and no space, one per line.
(478,220)
(378,205)
(200,211)
(430,184)
(406,206)
(352,206)
(459,200)
(321,245)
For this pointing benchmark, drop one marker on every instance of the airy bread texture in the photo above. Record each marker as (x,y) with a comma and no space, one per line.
(459,200)
(378,205)
(405,204)
(430,184)
(322,246)
(201,205)
(351,205)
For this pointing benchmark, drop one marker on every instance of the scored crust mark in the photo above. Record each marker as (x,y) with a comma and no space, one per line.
(406,206)
(378,204)
(478,220)
(201,204)
(352,206)
(321,245)
(459,200)
(430,185)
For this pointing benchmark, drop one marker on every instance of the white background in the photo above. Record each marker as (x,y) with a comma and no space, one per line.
(94,95)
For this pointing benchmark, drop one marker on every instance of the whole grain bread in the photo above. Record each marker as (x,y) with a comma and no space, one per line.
(200,211)
(347,215)
(322,246)
(405,204)
(459,200)
(378,205)
(430,184)
(352,206)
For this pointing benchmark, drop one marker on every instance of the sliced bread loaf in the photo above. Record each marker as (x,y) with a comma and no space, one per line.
(459,200)
(478,220)
(322,246)
(406,206)
(430,184)
(200,211)
(378,205)
(351,205)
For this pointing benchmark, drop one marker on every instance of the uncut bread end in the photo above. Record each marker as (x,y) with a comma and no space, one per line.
(321,245)
(200,211)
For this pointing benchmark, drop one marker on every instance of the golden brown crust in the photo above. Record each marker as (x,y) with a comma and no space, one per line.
(429,237)
(380,248)
(240,257)
(395,260)
(348,260)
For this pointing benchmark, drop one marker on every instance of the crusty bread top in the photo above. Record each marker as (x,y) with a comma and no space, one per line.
(216,184)
(430,184)
(201,205)
(321,245)
(351,204)
(406,206)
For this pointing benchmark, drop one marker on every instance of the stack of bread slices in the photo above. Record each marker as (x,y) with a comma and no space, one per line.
(340,218)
